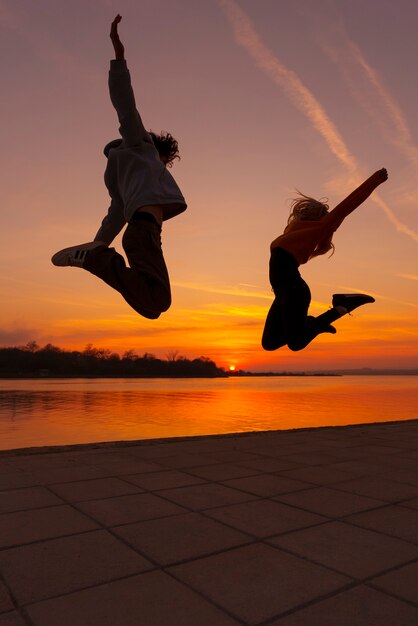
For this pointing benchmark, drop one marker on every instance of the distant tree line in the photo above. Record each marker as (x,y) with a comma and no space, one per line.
(32,360)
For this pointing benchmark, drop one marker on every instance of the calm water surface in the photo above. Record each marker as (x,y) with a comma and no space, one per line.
(67,411)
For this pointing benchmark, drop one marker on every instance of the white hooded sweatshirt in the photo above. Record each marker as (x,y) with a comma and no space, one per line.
(135,176)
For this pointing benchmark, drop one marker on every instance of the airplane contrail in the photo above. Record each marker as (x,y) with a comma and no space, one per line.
(300,95)
(403,139)
(247,37)
(408,276)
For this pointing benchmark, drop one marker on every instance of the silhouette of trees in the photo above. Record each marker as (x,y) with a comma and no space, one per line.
(32,360)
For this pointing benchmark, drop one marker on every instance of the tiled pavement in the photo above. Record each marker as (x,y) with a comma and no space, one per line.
(290,528)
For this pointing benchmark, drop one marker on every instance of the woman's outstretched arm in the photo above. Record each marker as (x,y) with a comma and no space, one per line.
(121,93)
(114,36)
(335,217)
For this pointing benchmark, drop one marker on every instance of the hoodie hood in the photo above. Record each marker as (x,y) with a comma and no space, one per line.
(115,143)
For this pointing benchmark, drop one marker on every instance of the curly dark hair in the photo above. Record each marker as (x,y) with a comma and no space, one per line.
(167,147)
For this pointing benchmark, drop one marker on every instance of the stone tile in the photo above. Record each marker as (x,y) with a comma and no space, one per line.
(359,468)
(153,452)
(264,447)
(409,477)
(411,504)
(67,564)
(222,471)
(6,603)
(150,599)
(163,480)
(127,509)
(6,465)
(187,460)
(357,607)
(94,489)
(397,521)
(319,475)
(345,453)
(128,466)
(180,538)
(354,551)
(378,488)
(403,462)
(12,619)
(327,501)
(204,446)
(103,456)
(257,582)
(311,458)
(16,480)
(69,474)
(232,456)
(199,497)
(179,448)
(268,449)
(264,518)
(27,498)
(401,582)
(32,462)
(23,527)
(269,464)
(378,449)
(266,485)
(412,454)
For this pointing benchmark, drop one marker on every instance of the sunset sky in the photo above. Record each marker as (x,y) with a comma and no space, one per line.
(264,97)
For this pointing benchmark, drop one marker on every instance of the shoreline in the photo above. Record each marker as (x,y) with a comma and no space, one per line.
(238,374)
(38,450)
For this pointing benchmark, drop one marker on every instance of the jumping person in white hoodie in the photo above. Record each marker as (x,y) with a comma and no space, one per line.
(143,194)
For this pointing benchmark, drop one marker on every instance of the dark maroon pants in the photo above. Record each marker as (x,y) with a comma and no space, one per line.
(145,283)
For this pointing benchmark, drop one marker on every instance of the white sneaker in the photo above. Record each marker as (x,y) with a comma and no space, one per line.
(76,255)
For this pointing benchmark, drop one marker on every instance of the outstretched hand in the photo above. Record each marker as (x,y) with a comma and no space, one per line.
(381,175)
(114,36)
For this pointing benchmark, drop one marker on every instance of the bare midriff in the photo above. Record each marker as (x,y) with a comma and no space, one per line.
(300,239)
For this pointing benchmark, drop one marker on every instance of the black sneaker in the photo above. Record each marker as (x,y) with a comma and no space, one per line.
(351,301)
(75,255)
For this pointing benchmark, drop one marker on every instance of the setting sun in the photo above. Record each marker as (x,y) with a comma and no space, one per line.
(231,368)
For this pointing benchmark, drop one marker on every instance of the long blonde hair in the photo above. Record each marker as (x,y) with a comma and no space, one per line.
(305,208)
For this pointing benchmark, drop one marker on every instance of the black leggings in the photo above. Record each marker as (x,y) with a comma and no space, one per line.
(288,322)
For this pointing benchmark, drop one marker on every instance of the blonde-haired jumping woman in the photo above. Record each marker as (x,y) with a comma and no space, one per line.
(308,234)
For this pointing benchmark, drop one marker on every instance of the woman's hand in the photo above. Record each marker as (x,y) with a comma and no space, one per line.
(114,36)
(381,175)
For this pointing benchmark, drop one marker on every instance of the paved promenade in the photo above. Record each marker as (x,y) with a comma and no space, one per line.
(293,528)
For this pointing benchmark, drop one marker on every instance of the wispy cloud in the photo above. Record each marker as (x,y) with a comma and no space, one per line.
(408,276)
(247,37)
(236,292)
(377,296)
(227,291)
(401,135)
(17,334)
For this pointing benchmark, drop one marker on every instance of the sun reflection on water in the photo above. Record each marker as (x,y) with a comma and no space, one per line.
(57,412)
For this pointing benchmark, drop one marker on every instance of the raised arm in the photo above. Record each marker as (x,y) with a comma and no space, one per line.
(335,217)
(114,36)
(122,95)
